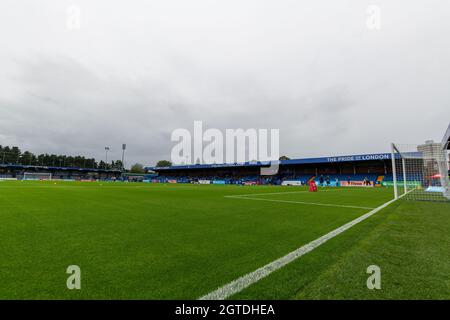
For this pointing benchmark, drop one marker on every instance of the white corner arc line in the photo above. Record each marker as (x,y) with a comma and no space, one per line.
(243,282)
(304,202)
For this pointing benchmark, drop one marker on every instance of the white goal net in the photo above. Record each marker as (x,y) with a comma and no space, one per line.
(421,172)
(37,176)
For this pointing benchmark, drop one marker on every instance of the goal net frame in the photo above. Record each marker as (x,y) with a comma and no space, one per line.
(37,176)
(421,172)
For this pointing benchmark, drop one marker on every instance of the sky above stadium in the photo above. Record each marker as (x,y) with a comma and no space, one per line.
(336,77)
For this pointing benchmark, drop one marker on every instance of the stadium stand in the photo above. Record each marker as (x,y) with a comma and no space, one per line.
(350,170)
(16,172)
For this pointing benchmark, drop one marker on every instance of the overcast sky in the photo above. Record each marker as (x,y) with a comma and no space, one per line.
(136,70)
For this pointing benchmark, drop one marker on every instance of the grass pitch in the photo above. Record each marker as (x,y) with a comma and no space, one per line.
(166,241)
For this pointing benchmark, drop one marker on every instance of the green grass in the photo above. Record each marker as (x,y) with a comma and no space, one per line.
(158,241)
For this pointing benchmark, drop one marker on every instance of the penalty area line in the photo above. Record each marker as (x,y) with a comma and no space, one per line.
(269,193)
(302,202)
(245,281)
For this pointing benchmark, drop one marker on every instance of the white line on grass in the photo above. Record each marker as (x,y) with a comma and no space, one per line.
(302,202)
(262,194)
(250,278)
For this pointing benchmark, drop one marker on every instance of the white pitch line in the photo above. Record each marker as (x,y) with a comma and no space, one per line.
(250,278)
(303,202)
(262,194)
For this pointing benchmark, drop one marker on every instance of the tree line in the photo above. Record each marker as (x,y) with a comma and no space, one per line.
(13,155)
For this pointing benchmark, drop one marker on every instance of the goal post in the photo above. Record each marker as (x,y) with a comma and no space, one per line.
(37,176)
(420,171)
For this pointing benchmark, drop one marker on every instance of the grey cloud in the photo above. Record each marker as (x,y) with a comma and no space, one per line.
(133,75)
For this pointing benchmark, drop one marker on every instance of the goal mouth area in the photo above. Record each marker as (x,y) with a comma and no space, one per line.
(429,194)
(423,168)
(37,176)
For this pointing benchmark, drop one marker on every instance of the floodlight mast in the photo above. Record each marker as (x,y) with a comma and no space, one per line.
(106,157)
(124,146)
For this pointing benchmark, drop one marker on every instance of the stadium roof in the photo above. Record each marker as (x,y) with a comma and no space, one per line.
(336,159)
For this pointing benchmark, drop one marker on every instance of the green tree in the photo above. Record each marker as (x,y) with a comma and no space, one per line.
(163,163)
(27,158)
(102,164)
(137,168)
(117,165)
(15,154)
(6,155)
